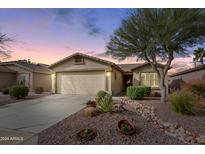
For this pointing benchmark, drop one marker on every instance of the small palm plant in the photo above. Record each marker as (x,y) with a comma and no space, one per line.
(199,55)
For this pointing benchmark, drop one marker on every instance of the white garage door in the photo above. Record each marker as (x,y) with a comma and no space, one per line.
(83,83)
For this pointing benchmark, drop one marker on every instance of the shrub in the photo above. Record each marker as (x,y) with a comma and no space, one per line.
(39,90)
(147,91)
(184,102)
(105,104)
(136,92)
(197,86)
(18,91)
(5,91)
(100,95)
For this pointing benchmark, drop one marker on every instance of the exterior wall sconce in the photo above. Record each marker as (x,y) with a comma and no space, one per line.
(108,74)
(52,75)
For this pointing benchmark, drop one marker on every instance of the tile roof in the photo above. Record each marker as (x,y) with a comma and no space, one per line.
(89,57)
(128,67)
(189,70)
(5,69)
(39,68)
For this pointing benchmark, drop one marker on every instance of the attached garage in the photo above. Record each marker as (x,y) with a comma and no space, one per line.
(82,83)
(81,74)
(8,77)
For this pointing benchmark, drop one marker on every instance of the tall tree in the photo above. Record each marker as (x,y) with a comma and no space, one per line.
(4,41)
(199,55)
(158,35)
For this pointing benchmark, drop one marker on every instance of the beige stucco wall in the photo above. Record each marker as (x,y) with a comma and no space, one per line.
(7,79)
(22,71)
(189,76)
(88,68)
(116,84)
(42,80)
(70,65)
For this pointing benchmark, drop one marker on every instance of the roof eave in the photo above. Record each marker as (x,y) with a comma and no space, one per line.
(86,56)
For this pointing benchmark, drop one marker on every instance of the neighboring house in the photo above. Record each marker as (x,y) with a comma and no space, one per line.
(7,77)
(190,74)
(30,74)
(86,75)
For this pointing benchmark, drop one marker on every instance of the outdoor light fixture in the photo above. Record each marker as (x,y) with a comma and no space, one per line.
(108,73)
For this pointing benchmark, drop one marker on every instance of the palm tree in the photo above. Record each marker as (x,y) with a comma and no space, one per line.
(156,35)
(199,55)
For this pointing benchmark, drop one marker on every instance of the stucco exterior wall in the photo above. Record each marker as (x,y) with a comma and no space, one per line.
(88,68)
(116,82)
(42,80)
(70,65)
(7,79)
(26,73)
(189,76)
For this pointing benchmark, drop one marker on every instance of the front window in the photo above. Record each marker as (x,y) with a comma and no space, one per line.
(149,79)
(23,79)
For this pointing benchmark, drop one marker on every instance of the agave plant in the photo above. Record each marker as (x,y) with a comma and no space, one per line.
(105,104)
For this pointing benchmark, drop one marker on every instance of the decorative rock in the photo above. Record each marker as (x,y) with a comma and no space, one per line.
(201,139)
(171,134)
(90,111)
(175,130)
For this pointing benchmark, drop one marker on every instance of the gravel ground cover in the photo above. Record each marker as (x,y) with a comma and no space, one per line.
(195,124)
(65,131)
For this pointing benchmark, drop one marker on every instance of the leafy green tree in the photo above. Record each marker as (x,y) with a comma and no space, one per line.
(157,36)
(4,41)
(199,55)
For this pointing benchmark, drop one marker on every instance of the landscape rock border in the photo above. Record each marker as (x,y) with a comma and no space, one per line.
(174,130)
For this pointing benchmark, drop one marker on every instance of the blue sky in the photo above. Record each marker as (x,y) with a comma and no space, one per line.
(59,32)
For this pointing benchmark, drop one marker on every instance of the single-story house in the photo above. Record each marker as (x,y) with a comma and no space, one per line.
(7,77)
(29,74)
(86,75)
(189,74)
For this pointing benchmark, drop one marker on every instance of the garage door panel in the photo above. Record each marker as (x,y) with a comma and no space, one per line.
(83,83)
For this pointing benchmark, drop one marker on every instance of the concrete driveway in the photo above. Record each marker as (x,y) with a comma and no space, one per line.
(33,116)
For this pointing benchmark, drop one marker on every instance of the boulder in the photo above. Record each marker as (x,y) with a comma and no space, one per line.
(90,111)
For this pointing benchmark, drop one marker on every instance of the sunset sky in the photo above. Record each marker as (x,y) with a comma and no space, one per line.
(47,35)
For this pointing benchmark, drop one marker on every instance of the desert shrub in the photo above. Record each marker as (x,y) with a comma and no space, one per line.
(136,92)
(105,104)
(100,95)
(39,90)
(18,91)
(147,91)
(5,91)
(184,102)
(197,86)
